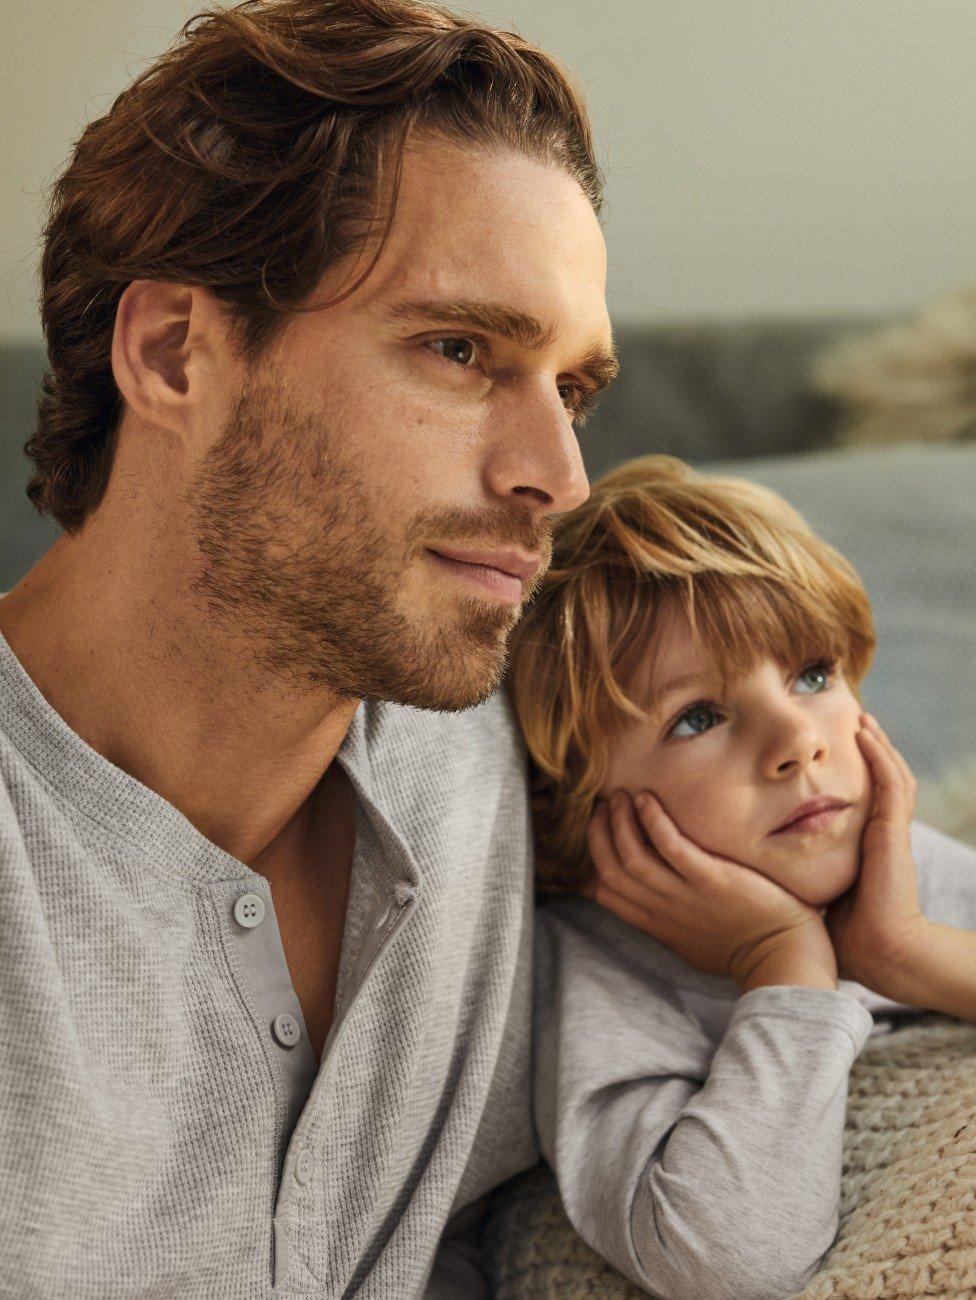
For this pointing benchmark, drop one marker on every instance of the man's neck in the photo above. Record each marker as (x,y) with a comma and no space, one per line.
(163,692)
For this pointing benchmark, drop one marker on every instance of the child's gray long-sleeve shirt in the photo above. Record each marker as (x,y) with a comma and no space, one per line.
(164,1129)
(696,1134)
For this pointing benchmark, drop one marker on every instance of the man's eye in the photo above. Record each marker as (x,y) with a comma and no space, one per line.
(458,350)
(579,402)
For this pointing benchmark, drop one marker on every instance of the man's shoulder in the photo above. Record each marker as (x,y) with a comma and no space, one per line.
(25,804)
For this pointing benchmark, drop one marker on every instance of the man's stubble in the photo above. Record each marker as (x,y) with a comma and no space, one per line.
(294,557)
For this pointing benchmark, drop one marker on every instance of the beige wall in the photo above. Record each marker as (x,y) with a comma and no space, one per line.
(762,155)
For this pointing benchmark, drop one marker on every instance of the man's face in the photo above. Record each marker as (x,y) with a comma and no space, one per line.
(732,769)
(392,461)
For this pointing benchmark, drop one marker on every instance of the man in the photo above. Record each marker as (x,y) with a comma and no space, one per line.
(266,950)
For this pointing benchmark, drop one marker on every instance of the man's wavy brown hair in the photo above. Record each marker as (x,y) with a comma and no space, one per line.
(743,565)
(261,149)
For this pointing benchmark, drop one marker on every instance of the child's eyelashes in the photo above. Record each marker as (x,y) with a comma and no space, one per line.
(826,669)
(694,710)
(821,672)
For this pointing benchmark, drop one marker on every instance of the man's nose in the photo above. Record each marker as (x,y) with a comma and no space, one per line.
(534,459)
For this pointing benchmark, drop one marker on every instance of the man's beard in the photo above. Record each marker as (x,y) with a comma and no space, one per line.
(294,557)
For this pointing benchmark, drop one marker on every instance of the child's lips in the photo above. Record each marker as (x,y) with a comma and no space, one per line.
(813,821)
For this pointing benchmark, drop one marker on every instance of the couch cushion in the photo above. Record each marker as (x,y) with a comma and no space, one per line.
(703,390)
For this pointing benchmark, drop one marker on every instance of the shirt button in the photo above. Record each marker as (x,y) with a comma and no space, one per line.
(404,893)
(303,1168)
(285,1029)
(249,911)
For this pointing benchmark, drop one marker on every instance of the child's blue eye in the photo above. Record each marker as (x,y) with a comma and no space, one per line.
(823,669)
(693,711)
(820,674)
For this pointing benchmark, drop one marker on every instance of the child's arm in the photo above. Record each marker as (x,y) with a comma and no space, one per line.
(882,938)
(697,1144)
(696,1135)
(941,973)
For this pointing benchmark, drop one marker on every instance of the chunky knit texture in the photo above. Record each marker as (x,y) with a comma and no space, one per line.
(908,1194)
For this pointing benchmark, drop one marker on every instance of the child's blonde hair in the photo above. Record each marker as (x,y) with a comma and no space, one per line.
(747,570)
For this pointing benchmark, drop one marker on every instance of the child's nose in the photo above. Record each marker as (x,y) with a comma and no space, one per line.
(795,749)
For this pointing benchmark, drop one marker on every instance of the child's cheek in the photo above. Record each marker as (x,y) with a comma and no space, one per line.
(714,828)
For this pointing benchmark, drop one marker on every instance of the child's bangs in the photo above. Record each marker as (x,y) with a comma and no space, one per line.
(741,621)
(738,621)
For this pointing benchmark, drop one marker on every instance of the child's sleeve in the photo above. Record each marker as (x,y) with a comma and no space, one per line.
(946,871)
(697,1165)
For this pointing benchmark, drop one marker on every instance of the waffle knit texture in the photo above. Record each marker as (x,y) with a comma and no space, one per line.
(155,1138)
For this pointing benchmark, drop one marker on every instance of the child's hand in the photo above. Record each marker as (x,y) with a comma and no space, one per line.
(877,926)
(718,915)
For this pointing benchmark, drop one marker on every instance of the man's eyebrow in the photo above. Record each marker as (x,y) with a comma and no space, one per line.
(599,364)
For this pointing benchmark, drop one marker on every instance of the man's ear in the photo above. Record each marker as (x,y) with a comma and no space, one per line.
(168,338)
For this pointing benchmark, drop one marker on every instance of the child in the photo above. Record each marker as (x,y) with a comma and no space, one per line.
(695,645)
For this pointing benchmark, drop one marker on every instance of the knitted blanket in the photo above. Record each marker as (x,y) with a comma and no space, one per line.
(908,1189)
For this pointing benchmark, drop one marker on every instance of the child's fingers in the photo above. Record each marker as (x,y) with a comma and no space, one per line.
(606,855)
(600,840)
(874,727)
(894,800)
(637,857)
(892,750)
(683,855)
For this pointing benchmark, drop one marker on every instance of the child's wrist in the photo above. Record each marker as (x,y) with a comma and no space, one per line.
(935,970)
(908,974)
(805,962)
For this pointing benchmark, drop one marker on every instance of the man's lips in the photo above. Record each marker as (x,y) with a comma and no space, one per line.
(812,815)
(514,563)
(497,573)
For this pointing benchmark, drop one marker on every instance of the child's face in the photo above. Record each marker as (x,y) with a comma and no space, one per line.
(731,772)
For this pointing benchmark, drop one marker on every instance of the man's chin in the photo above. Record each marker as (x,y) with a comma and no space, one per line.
(453,696)
(455,662)
(461,680)
(440,671)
